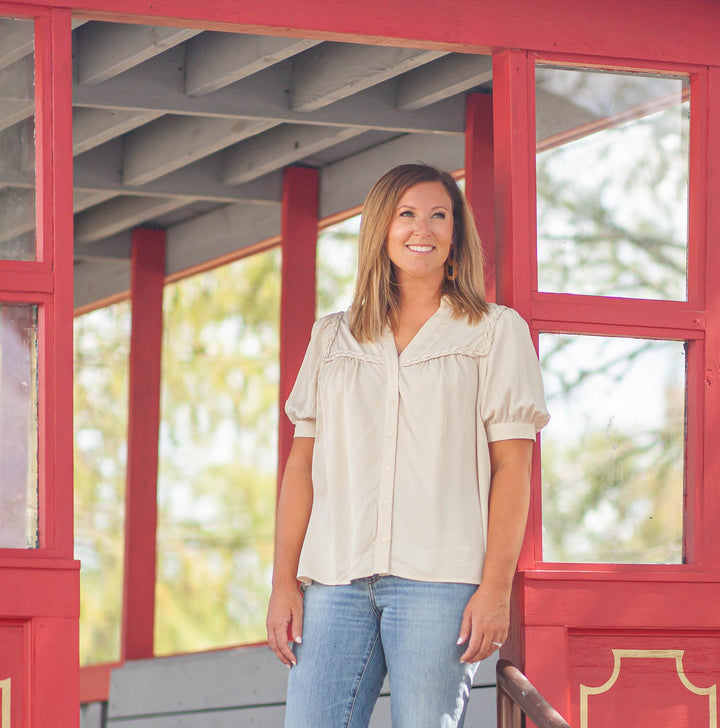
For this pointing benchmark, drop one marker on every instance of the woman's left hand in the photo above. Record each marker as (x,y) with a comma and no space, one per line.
(485,624)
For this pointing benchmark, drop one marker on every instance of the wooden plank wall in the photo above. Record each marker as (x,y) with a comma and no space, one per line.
(230,689)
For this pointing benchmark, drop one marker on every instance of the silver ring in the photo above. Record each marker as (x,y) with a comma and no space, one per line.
(498,644)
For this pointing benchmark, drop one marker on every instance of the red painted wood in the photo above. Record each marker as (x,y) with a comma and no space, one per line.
(709,508)
(60,459)
(632,601)
(95,682)
(479,177)
(297,299)
(147,280)
(54,694)
(646,679)
(514,131)
(539,642)
(676,318)
(658,30)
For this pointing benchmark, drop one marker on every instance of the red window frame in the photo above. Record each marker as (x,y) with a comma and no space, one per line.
(48,281)
(694,321)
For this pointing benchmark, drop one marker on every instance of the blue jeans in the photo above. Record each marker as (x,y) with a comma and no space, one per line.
(355,634)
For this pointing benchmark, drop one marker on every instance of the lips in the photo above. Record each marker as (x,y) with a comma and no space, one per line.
(421,248)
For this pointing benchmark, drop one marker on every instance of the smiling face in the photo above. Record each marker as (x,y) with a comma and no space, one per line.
(420,234)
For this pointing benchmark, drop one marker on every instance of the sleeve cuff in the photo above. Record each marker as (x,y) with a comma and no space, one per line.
(507,431)
(305,428)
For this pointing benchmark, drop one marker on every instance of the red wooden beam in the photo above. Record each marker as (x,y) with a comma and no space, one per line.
(60,455)
(297,299)
(147,278)
(662,29)
(708,504)
(514,124)
(480,178)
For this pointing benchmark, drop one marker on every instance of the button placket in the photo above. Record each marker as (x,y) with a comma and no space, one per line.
(389,454)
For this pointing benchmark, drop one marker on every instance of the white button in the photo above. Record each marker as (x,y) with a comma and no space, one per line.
(389,434)
(387,468)
(384,539)
(386,503)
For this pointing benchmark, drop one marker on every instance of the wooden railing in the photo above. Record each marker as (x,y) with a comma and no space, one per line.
(517,697)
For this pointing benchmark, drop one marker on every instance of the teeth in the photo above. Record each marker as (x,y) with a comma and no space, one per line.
(420,248)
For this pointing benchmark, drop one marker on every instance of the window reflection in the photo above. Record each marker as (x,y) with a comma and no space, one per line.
(612,181)
(17,140)
(613,453)
(18,426)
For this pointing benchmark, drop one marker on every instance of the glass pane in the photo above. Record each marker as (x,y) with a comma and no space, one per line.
(337,253)
(613,453)
(18,426)
(102,343)
(612,183)
(218,456)
(17,140)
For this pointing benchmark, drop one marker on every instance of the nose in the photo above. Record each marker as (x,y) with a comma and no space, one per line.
(421,226)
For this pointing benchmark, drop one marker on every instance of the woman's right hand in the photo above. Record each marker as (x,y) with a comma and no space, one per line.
(284,621)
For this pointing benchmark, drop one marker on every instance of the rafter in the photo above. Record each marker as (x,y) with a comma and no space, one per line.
(175,141)
(120,214)
(16,40)
(215,60)
(441,79)
(279,147)
(92,127)
(334,71)
(159,85)
(107,49)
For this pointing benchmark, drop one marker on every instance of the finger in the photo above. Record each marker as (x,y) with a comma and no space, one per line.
(464,628)
(297,625)
(478,648)
(277,640)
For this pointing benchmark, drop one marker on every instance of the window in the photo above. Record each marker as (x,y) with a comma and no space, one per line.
(612,171)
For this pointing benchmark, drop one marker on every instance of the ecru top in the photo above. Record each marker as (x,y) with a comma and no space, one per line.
(401,467)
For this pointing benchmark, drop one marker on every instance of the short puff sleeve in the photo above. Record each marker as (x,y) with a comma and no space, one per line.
(513,400)
(302,402)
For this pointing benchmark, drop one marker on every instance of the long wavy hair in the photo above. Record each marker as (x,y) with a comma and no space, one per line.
(376,300)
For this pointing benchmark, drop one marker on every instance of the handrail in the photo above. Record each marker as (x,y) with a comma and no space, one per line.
(517,696)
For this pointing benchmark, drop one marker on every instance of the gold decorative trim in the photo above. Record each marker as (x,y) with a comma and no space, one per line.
(676,655)
(5,695)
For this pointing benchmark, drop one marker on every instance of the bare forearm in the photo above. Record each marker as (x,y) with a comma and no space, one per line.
(509,500)
(293,514)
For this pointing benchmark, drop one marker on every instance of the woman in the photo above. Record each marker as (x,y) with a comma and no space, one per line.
(405,495)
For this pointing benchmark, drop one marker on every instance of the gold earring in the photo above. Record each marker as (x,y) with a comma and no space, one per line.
(450,268)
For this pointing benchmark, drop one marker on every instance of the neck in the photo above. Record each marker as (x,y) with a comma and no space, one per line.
(419,294)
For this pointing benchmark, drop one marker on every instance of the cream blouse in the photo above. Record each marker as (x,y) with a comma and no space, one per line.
(401,467)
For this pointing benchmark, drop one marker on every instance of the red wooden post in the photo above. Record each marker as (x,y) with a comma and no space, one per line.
(480,178)
(148,274)
(710,499)
(297,298)
(514,132)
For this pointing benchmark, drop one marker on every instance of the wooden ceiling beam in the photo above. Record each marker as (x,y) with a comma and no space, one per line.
(159,85)
(175,141)
(453,74)
(93,127)
(16,40)
(122,213)
(280,147)
(106,50)
(215,60)
(334,71)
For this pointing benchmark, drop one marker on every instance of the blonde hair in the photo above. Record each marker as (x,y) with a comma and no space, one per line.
(377,297)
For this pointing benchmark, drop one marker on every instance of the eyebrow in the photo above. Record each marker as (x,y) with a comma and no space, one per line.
(412,207)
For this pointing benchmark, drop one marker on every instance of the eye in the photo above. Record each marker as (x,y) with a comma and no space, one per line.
(406,213)
(440,214)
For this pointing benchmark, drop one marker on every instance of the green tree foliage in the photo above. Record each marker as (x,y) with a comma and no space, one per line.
(218,455)
(612,221)
(101,396)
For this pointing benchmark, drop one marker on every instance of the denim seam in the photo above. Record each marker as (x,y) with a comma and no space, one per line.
(360,678)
